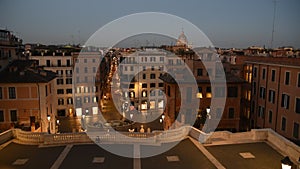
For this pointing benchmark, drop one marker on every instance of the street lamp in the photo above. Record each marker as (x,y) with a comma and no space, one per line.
(57,123)
(286,163)
(209,117)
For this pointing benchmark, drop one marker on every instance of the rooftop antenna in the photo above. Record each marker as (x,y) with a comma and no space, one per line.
(273,27)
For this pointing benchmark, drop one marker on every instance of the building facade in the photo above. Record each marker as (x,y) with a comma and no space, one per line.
(10,48)
(139,77)
(227,117)
(275,99)
(62,65)
(26,96)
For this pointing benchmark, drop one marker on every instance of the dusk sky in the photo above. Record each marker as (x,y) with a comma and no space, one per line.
(227,23)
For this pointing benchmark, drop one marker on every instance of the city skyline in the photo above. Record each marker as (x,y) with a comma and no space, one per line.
(227,24)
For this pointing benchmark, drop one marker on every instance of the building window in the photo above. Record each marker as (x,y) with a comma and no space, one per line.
(1,93)
(152,85)
(255,72)
(95,89)
(86,99)
(160,84)
(131,86)
(60,91)
(68,62)
(199,72)
(161,104)
(59,72)
(231,113)
(85,60)
(68,72)
(283,123)
(160,92)
(270,116)
(77,69)
(95,99)
(70,100)
(131,68)
(144,85)
(78,102)
(261,111)
(68,80)
(152,76)
(169,91)
(152,93)
(208,92)
(13,115)
(131,94)
(58,62)
(264,73)
(272,96)
(1,116)
(297,107)
(69,91)
(144,93)
(60,101)
(46,90)
(273,75)
(59,81)
(199,94)
(296,130)
(287,78)
(94,69)
(48,63)
(262,92)
(285,101)
(11,92)
(144,76)
(85,69)
(86,89)
(94,60)
(220,92)
(162,59)
(232,92)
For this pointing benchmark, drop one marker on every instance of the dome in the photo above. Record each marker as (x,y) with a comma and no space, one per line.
(182,40)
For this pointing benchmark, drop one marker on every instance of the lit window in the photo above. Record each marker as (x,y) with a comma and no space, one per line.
(132,94)
(152,104)
(144,93)
(208,92)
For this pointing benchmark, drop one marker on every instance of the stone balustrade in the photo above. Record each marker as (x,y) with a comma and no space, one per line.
(156,137)
(6,136)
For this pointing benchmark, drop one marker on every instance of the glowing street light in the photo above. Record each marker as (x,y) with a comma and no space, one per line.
(286,163)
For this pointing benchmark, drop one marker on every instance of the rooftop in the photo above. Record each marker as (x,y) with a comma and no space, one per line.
(23,71)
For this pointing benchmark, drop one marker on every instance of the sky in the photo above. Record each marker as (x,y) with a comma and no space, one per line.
(227,23)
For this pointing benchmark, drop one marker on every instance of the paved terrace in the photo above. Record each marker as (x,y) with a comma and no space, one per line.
(255,149)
